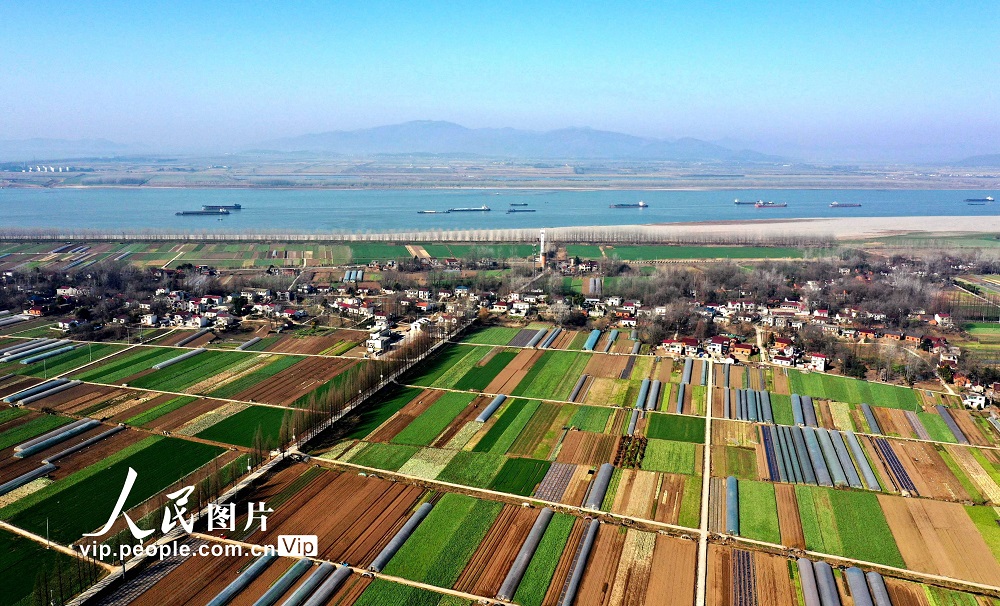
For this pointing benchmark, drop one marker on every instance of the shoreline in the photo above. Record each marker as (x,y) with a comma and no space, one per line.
(720,232)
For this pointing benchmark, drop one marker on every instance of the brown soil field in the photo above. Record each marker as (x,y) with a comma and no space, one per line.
(77,400)
(608,367)
(587,448)
(774,586)
(823,415)
(185,414)
(788,516)
(939,538)
(781,382)
(720,576)
(636,494)
(577,489)
(632,576)
(893,422)
(929,472)
(173,337)
(94,453)
(718,403)
(311,345)
(668,501)
(514,372)
(199,579)
(489,565)
(623,345)
(666,368)
(672,574)
(564,339)
(602,566)
(11,467)
(17,383)
(292,383)
(468,414)
(405,416)
(696,372)
(972,431)
(369,512)
(565,563)
(903,593)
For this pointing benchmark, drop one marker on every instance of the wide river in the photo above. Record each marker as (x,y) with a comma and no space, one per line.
(294,211)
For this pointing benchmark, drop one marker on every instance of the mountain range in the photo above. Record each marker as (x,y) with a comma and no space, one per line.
(436,137)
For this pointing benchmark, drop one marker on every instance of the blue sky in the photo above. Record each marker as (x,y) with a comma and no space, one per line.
(915,77)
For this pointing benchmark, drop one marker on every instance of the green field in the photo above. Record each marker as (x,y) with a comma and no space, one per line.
(507,427)
(368,252)
(389,402)
(429,425)
(83,501)
(186,373)
(758,511)
(385,456)
(654,253)
(386,593)
(65,362)
(477,469)
(23,561)
(543,563)
(160,410)
(31,429)
(447,366)
(591,418)
(982,328)
(852,391)
(553,376)
(781,408)
(492,335)
(846,523)
(479,377)
(239,429)
(442,544)
(125,365)
(671,457)
(520,476)
(936,427)
(676,427)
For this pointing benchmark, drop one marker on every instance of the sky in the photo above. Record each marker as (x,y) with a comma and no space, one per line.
(901,80)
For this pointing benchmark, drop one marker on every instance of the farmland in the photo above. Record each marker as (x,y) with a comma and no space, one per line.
(844,389)
(93,491)
(652,253)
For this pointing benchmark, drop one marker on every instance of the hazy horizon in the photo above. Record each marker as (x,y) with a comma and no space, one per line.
(894,82)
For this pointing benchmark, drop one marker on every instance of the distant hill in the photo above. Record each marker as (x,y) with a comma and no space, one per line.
(28,150)
(990,160)
(436,137)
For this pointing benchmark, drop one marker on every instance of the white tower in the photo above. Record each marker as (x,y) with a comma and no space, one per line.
(541,249)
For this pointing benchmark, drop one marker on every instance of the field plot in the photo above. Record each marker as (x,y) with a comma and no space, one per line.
(847,523)
(553,375)
(296,383)
(71,360)
(853,391)
(655,253)
(94,490)
(125,364)
(494,335)
(940,538)
(89,400)
(192,371)
(369,511)
(240,428)
(337,342)
(23,560)
(438,551)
